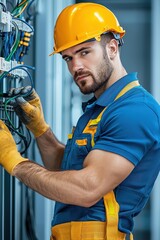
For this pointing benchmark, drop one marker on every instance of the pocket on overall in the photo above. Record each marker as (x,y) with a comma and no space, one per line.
(79,150)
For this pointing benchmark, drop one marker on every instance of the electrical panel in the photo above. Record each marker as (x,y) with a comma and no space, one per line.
(16,39)
(16,31)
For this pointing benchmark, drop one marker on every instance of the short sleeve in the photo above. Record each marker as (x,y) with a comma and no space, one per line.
(128,129)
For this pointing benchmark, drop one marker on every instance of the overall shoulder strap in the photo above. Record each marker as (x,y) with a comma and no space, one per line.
(110,203)
(128,87)
(91,127)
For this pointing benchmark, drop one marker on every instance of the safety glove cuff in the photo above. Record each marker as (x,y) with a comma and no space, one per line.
(13,159)
(39,128)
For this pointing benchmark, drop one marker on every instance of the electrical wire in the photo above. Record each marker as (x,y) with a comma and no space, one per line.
(23,2)
(19,19)
(30,15)
(19,67)
(16,42)
(11,51)
(22,95)
(5,44)
(23,140)
(19,130)
(19,9)
(15,9)
(4,7)
(9,48)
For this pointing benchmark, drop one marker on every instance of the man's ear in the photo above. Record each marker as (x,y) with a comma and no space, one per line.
(112,48)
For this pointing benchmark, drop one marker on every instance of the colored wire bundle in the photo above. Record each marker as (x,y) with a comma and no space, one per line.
(15,43)
(20,130)
(25,22)
(14,46)
(19,9)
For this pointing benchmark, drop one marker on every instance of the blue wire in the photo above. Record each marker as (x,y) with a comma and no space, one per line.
(19,19)
(4,7)
(6,45)
(29,5)
(28,73)
(17,54)
(22,95)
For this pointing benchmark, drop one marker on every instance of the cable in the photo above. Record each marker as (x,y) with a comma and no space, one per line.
(5,44)
(18,130)
(23,2)
(17,67)
(22,95)
(15,9)
(30,15)
(19,19)
(18,54)
(4,7)
(12,49)
(21,11)
(16,43)
(18,10)
(24,140)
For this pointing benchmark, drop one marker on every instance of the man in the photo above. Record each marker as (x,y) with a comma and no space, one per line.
(103,177)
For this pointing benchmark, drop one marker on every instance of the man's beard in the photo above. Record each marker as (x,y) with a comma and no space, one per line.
(103,73)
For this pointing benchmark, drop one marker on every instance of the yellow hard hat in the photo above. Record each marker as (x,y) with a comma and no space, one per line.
(80,22)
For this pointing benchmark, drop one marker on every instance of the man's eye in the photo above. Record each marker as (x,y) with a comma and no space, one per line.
(67,59)
(84,53)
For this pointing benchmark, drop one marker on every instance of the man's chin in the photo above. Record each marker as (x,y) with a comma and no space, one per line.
(86,91)
(87,88)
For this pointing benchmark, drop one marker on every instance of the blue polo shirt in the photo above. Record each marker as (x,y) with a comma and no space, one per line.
(130,127)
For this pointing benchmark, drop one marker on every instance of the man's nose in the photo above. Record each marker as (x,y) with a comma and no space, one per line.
(77,65)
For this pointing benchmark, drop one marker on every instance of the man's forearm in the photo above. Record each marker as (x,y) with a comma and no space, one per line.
(51,150)
(64,186)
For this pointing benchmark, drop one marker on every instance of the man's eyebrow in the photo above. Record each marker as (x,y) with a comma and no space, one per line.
(79,50)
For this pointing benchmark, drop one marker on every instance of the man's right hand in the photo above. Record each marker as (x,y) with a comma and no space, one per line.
(29,109)
(9,155)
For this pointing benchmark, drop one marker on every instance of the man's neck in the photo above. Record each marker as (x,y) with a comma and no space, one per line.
(115,76)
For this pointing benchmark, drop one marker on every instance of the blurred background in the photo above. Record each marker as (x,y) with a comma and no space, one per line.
(26,38)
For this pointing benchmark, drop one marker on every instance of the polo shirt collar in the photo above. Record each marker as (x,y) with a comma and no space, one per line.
(110,94)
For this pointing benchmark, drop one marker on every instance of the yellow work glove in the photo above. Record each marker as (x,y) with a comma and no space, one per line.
(29,109)
(9,155)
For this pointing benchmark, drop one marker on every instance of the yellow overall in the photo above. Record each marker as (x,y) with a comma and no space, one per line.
(95,230)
